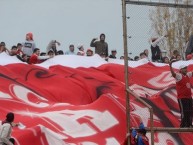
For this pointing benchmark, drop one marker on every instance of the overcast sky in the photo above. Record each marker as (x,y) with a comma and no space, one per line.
(73,21)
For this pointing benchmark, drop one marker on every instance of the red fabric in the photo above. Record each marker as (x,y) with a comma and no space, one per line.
(183,87)
(33,59)
(87,105)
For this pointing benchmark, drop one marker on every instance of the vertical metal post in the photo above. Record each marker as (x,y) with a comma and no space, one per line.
(151,125)
(126,68)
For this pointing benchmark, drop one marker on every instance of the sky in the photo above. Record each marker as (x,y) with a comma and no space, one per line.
(74,22)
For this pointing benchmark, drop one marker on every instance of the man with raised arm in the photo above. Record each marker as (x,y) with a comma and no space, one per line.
(183,88)
(155,49)
(101,47)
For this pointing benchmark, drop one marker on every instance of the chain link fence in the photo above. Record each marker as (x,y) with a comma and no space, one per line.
(147,24)
(165,25)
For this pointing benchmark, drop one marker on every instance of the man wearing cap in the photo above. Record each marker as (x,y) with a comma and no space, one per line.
(183,88)
(113,54)
(89,52)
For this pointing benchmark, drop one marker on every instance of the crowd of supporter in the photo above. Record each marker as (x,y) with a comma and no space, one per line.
(157,56)
(29,53)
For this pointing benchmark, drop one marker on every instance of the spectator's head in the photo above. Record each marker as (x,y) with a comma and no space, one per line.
(146,51)
(166,60)
(89,52)
(29,36)
(80,47)
(2,48)
(13,50)
(178,57)
(142,55)
(102,37)
(51,53)
(60,52)
(19,46)
(113,52)
(189,57)
(183,69)
(175,52)
(136,58)
(71,47)
(10,117)
(53,44)
(2,44)
(122,57)
(36,51)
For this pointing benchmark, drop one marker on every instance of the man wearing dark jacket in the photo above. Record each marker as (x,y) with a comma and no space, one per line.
(113,54)
(101,47)
(155,49)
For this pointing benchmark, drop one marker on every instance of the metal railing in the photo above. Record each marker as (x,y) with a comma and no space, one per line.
(151,129)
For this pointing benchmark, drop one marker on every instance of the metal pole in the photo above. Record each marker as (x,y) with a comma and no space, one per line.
(126,69)
(169,129)
(151,125)
(161,4)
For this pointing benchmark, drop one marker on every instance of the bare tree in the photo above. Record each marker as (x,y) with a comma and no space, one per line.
(177,23)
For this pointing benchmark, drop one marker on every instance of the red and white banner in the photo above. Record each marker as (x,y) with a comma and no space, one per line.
(85,104)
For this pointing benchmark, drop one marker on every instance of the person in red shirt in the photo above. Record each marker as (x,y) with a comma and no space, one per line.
(36,58)
(19,49)
(183,88)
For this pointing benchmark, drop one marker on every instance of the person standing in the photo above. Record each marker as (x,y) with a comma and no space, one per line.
(101,47)
(183,88)
(52,46)
(71,50)
(155,49)
(6,130)
(28,45)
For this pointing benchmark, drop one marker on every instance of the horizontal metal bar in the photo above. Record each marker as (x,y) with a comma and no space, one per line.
(161,4)
(169,129)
